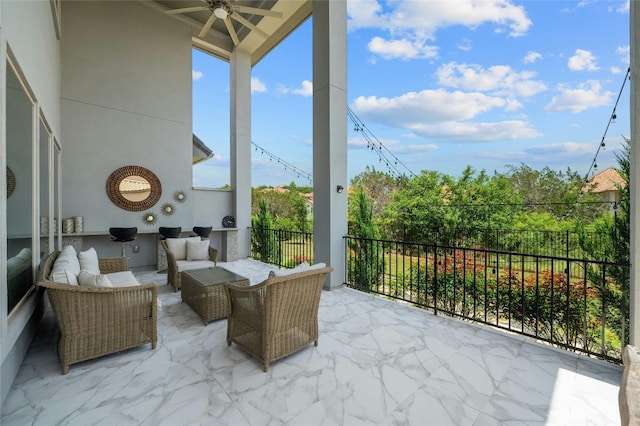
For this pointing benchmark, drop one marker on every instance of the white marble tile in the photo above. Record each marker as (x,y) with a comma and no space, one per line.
(378,362)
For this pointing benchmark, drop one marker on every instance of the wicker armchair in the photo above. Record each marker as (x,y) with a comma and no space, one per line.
(97,321)
(174,266)
(277,317)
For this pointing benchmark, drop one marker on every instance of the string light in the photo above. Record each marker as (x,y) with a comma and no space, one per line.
(612,119)
(395,167)
(288,167)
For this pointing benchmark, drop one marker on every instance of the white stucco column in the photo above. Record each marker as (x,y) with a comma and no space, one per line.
(240,151)
(634,178)
(330,135)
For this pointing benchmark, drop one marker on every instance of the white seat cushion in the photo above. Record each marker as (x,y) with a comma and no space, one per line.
(184,265)
(178,246)
(122,279)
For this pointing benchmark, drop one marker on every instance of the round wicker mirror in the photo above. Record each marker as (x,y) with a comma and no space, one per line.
(11,182)
(134,188)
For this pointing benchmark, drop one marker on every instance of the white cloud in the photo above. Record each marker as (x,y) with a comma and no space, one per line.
(465,45)
(497,79)
(393,145)
(414,149)
(442,114)
(196,75)
(403,49)
(615,70)
(461,132)
(625,53)
(305,89)
(424,18)
(257,86)
(561,154)
(532,57)
(426,106)
(564,149)
(412,24)
(364,14)
(582,60)
(625,8)
(584,96)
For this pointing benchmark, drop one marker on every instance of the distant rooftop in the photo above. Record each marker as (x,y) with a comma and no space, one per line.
(607,180)
(201,152)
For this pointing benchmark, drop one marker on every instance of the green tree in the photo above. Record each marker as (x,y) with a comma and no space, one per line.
(419,207)
(264,246)
(366,263)
(612,281)
(479,204)
(555,192)
(288,208)
(380,187)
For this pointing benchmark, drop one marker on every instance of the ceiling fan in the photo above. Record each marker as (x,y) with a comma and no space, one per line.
(225,10)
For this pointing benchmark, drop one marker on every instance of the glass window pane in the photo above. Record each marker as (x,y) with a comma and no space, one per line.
(19,112)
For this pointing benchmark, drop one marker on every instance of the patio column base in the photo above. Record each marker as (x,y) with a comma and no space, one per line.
(629,395)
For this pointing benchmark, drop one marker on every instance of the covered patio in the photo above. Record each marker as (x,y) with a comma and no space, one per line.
(378,362)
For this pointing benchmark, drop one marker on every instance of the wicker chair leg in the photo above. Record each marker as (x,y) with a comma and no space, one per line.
(265,366)
(228,342)
(315,343)
(65,369)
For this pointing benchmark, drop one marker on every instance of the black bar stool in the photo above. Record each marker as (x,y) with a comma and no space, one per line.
(168,232)
(202,231)
(123,235)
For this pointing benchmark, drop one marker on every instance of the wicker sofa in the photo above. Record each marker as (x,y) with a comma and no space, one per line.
(277,317)
(179,258)
(97,321)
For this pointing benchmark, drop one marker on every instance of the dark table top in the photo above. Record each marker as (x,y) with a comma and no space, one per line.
(213,276)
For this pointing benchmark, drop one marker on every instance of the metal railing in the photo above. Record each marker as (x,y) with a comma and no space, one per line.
(543,243)
(577,304)
(282,248)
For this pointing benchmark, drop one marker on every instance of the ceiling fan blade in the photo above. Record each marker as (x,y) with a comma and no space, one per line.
(249,25)
(185,10)
(207,26)
(256,11)
(232,32)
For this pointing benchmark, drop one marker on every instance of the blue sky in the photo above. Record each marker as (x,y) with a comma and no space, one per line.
(442,84)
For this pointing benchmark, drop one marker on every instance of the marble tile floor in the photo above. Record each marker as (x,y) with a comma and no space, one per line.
(378,362)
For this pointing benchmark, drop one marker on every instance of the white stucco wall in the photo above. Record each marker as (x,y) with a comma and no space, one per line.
(126,100)
(27,28)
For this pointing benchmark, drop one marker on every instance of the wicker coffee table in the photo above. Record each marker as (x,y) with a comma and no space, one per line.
(203,290)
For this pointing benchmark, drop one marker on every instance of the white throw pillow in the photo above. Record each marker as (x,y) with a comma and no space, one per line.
(63,276)
(90,279)
(89,261)
(198,250)
(178,246)
(67,259)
